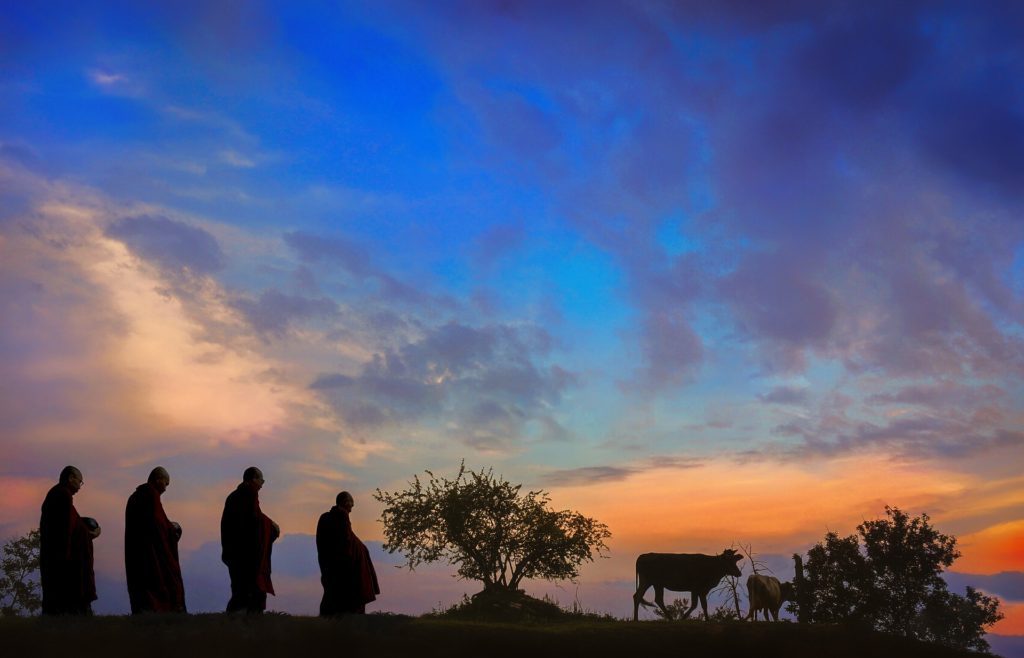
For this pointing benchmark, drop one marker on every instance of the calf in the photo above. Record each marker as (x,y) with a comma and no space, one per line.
(766,595)
(682,572)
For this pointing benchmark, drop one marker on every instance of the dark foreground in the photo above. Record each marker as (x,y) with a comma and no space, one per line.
(199,636)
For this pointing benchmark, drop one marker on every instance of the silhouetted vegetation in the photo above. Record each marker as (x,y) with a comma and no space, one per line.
(676,609)
(488,529)
(20,593)
(888,577)
(385,636)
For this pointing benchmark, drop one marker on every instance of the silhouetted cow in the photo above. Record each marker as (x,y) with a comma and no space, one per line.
(682,572)
(767,595)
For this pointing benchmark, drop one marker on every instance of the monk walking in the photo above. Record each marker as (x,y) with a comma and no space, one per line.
(346,571)
(151,549)
(65,550)
(246,537)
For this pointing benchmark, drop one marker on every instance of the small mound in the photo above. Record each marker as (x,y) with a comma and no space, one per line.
(497,603)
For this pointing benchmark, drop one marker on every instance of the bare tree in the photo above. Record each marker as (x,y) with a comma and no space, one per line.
(731,584)
(756,565)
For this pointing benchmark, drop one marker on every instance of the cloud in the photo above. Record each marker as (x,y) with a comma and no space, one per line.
(514,123)
(672,351)
(111,366)
(666,509)
(936,326)
(784,395)
(236,159)
(273,312)
(942,394)
(972,127)
(774,300)
(487,382)
(20,154)
(1010,644)
(332,381)
(1006,585)
(857,261)
(106,79)
(586,475)
(354,258)
(602,475)
(175,246)
(498,242)
(835,426)
(861,59)
(997,548)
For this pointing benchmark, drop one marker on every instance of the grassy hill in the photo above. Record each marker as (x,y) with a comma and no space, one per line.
(380,636)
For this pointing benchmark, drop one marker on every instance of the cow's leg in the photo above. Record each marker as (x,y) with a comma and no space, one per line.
(704,604)
(775,614)
(693,604)
(637,598)
(659,599)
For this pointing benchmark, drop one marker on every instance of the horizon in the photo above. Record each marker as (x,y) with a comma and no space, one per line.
(743,273)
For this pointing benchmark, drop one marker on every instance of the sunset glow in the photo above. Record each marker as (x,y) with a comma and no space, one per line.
(711,273)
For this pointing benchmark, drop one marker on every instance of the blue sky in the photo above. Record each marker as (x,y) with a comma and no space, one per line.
(587,244)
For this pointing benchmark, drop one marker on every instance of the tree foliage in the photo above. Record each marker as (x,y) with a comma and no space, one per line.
(837,575)
(489,529)
(19,575)
(889,577)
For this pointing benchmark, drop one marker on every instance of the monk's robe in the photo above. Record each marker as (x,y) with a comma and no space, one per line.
(246,538)
(151,555)
(65,556)
(346,571)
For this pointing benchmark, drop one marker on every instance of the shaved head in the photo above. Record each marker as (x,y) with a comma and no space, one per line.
(71,477)
(254,475)
(345,501)
(160,478)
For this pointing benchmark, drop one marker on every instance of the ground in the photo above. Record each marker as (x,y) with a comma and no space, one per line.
(382,635)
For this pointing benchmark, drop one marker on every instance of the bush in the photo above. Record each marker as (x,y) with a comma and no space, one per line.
(20,593)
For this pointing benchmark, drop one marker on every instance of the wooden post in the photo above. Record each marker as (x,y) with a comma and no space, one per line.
(804,610)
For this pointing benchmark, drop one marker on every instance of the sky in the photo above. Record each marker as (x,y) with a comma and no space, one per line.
(711,273)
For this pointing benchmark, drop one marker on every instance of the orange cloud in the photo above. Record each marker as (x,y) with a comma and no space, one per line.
(1013,620)
(992,550)
(773,505)
(20,500)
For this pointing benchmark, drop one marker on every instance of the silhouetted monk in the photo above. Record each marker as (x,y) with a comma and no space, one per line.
(246,536)
(346,571)
(65,550)
(151,550)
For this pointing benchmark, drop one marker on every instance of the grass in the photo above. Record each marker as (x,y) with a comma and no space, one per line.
(386,635)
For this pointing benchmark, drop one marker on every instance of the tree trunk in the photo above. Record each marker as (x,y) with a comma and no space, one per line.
(804,607)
